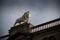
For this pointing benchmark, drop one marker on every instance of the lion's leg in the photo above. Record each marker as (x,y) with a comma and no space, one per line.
(27,20)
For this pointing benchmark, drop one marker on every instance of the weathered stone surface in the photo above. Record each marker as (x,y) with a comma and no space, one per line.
(22,32)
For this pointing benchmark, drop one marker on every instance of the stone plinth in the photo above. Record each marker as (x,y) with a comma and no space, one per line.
(22,28)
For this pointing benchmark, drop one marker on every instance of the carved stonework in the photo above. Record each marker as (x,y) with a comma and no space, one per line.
(22,28)
(24,18)
(26,31)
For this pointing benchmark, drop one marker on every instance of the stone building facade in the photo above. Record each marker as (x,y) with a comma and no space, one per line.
(26,31)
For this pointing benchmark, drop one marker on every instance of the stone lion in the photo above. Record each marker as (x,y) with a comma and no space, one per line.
(24,18)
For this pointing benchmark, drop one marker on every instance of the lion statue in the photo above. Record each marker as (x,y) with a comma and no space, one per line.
(24,18)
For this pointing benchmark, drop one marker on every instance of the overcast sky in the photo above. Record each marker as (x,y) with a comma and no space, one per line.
(41,11)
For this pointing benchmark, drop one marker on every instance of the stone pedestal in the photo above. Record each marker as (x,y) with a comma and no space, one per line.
(22,29)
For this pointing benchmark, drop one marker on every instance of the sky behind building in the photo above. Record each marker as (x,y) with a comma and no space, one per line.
(41,11)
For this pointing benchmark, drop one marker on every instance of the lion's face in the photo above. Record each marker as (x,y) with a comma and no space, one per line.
(29,14)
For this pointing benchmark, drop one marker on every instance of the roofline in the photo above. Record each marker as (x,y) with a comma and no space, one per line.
(3,36)
(45,23)
(49,30)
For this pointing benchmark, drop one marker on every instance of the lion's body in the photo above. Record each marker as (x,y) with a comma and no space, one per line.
(24,18)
